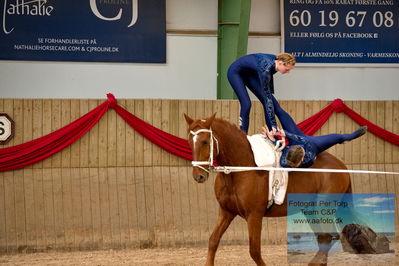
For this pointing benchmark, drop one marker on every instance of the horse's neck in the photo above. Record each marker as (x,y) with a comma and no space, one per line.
(234,149)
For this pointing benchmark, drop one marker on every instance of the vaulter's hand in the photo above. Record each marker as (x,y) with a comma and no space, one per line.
(281,133)
(268,133)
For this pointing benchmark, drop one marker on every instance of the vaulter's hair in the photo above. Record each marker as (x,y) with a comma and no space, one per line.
(286,58)
(295,156)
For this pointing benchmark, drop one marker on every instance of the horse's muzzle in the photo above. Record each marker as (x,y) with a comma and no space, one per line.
(201,178)
(200,174)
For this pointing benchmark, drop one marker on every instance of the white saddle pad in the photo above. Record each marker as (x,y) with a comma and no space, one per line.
(266,156)
(263,150)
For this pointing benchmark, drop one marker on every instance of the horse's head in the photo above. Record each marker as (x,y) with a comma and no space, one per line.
(203,144)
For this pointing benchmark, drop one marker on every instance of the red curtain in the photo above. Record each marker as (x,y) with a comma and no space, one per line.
(315,122)
(166,141)
(28,153)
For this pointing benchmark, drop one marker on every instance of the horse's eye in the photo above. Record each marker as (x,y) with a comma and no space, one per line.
(205,142)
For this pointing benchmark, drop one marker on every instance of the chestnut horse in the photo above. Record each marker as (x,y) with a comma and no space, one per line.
(246,193)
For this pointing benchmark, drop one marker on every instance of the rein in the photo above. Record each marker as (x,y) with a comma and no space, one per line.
(230,169)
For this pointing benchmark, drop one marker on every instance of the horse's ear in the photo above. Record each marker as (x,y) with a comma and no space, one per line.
(189,120)
(209,120)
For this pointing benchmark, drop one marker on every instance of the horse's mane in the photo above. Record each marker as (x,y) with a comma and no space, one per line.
(236,149)
(225,127)
(232,141)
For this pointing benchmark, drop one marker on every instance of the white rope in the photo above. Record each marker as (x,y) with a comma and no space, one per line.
(279,146)
(229,169)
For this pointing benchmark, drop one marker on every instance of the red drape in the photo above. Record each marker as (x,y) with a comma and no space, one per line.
(28,153)
(315,122)
(166,141)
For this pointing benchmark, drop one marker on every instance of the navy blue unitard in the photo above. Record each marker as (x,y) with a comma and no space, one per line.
(313,145)
(254,71)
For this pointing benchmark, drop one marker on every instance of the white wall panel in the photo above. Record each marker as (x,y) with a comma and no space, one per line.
(190,71)
(265,16)
(192,14)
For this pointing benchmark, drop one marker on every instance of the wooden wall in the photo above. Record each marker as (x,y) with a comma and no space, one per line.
(113,188)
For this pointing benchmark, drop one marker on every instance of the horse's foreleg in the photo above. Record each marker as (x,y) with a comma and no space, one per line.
(223,222)
(324,241)
(254,230)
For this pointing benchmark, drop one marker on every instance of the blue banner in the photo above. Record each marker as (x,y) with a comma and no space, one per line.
(341,31)
(84,30)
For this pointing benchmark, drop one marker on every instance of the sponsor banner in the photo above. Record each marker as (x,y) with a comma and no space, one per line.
(84,30)
(341,31)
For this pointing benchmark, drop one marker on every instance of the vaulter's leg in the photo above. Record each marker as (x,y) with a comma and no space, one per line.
(285,119)
(324,142)
(254,223)
(223,222)
(238,85)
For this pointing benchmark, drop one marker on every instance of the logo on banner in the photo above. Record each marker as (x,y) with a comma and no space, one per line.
(25,8)
(94,8)
(6,128)
(43,8)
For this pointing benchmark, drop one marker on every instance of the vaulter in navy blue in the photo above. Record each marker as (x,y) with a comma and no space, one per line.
(256,71)
(303,149)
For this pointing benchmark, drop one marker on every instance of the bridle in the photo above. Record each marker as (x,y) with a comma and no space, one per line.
(212,138)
